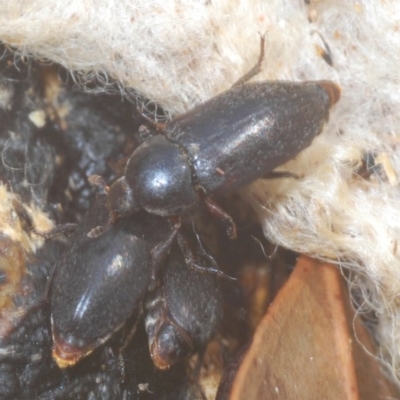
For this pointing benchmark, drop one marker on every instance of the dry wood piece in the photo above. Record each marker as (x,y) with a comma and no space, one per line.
(305,346)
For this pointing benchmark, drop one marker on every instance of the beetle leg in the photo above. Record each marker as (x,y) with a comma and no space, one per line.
(127,340)
(161,250)
(256,68)
(144,133)
(100,229)
(158,126)
(218,212)
(190,260)
(57,230)
(23,214)
(133,330)
(43,297)
(97,180)
(26,218)
(280,175)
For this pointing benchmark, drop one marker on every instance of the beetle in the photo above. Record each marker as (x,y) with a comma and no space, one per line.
(99,282)
(221,145)
(184,310)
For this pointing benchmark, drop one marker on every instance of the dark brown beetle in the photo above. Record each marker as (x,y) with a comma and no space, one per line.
(184,310)
(99,282)
(222,145)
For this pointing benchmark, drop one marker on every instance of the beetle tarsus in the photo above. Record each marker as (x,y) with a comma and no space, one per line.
(57,230)
(100,229)
(219,213)
(97,180)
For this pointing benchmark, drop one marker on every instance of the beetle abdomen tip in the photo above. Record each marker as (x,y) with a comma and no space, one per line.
(333,90)
(65,356)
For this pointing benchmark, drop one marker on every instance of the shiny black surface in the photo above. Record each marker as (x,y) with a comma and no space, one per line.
(224,144)
(160,174)
(247,131)
(99,281)
(182,314)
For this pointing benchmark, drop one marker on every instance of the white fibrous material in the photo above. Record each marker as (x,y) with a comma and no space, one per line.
(180,53)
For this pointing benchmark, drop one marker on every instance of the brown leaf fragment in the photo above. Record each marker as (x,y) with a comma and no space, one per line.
(305,346)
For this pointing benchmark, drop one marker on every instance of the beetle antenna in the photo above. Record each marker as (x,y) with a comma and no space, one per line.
(257,68)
